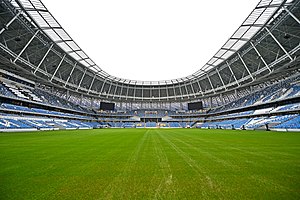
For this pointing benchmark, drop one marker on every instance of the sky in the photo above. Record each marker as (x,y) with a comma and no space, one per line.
(150,40)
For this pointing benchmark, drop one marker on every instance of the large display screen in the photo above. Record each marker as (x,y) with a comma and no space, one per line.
(195,106)
(107,106)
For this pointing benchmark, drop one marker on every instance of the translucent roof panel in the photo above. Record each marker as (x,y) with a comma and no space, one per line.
(261,14)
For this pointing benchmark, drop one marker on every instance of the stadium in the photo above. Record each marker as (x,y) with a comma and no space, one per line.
(70,130)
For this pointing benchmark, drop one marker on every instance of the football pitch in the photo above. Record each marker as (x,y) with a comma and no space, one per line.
(150,164)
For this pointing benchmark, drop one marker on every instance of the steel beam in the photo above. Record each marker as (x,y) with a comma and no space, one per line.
(81,79)
(26,46)
(186,88)
(245,66)
(121,90)
(219,58)
(57,67)
(174,90)
(167,91)
(134,91)
(92,83)
(191,84)
(292,15)
(226,49)
(221,78)
(127,91)
(43,59)
(102,87)
(117,85)
(279,44)
(232,74)
(260,56)
(198,82)
(212,87)
(109,88)
(179,86)
(70,74)
(10,22)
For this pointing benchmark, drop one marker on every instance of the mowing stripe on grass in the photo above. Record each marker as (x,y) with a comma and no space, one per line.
(150,164)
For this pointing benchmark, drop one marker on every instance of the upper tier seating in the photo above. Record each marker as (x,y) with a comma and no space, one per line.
(41,111)
(284,89)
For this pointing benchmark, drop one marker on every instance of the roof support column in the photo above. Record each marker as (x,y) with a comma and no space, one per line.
(245,65)
(167,91)
(28,43)
(179,86)
(134,91)
(232,74)
(117,85)
(192,88)
(81,79)
(91,84)
(10,22)
(198,82)
(109,89)
(43,59)
(260,56)
(212,87)
(57,67)
(159,92)
(221,78)
(121,90)
(185,86)
(174,90)
(127,91)
(102,87)
(274,38)
(70,74)
(292,15)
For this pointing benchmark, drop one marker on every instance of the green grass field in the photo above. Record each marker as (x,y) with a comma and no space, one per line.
(150,164)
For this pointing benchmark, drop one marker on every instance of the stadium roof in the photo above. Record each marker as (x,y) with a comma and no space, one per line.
(255,21)
(253,51)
